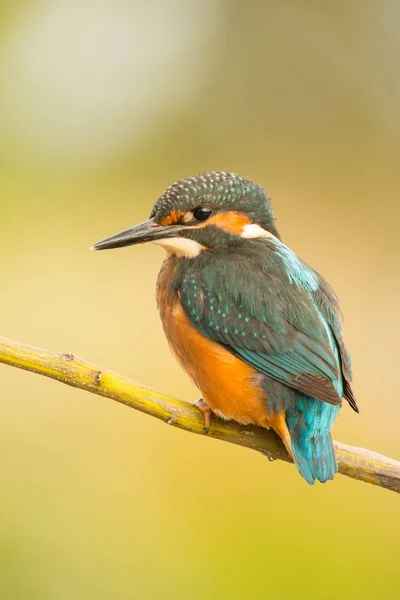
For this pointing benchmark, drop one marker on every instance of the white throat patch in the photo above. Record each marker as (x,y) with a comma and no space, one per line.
(256,231)
(180,246)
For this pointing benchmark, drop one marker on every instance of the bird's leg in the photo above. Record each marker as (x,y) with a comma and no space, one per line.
(207,412)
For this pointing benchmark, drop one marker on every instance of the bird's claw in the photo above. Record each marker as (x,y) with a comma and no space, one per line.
(207,412)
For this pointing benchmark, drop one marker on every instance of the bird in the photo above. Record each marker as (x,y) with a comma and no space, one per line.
(257,330)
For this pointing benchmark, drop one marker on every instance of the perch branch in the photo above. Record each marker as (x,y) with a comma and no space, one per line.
(357,463)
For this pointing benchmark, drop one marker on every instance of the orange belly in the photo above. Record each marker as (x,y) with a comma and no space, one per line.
(229,386)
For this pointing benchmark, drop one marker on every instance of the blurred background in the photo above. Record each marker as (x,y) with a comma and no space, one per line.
(103,104)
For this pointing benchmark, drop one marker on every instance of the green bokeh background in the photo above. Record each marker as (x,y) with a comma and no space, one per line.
(102,106)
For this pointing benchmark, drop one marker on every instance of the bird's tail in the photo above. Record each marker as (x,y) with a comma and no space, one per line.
(309,421)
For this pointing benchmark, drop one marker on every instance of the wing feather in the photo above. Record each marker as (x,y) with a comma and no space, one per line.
(271,321)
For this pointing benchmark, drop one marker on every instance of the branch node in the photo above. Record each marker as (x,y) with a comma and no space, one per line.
(97,375)
(68,357)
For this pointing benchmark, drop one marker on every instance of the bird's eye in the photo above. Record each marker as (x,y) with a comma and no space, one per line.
(202,213)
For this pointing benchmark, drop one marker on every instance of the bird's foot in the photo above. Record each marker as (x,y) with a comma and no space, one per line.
(207,412)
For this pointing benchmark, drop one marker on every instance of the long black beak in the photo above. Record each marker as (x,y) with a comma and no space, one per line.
(149,231)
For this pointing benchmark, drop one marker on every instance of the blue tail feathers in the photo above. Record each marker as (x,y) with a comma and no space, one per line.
(310,421)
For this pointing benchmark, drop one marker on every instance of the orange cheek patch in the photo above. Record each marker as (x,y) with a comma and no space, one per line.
(174,217)
(231,221)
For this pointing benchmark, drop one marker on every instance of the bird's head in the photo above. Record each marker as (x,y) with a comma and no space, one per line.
(204,212)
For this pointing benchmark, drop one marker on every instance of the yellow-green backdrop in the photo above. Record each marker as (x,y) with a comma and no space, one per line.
(102,106)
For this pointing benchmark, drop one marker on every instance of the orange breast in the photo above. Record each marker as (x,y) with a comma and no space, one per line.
(229,386)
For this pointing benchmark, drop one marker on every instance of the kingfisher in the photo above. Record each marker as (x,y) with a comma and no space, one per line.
(256,329)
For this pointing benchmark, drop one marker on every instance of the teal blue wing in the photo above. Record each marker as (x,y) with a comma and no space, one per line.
(268,318)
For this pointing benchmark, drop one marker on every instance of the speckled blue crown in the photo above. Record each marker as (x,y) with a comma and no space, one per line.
(220,191)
